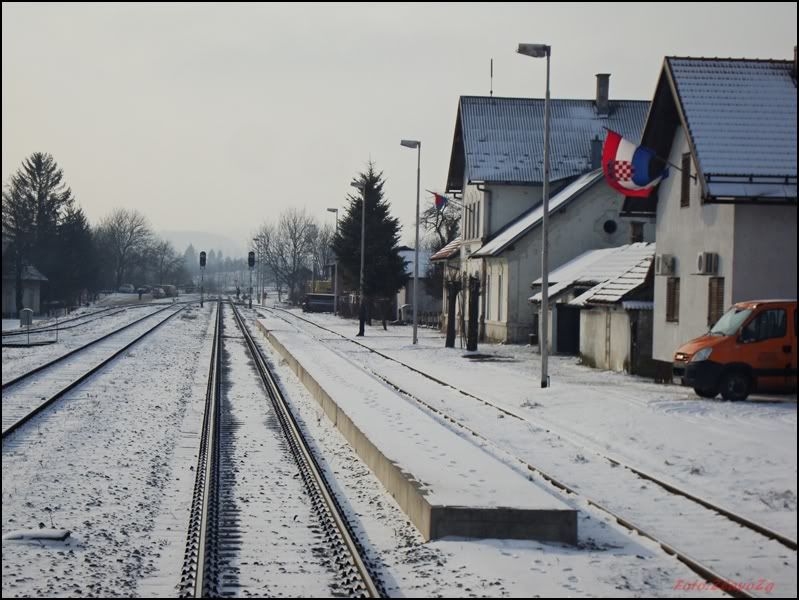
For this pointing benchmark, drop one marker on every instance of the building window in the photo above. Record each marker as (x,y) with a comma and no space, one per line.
(499,298)
(673,299)
(715,300)
(610,226)
(636,232)
(488,298)
(685,190)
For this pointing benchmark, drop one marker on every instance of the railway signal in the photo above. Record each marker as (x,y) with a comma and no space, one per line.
(202,275)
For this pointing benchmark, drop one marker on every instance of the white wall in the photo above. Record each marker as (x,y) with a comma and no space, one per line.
(593,338)
(765,253)
(572,231)
(747,257)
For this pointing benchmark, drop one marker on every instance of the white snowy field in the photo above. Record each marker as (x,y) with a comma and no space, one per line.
(114,464)
(107,463)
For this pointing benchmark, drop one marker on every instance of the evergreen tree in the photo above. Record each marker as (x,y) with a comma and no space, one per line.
(191,262)
(34,204)
(77,256)
(384,268)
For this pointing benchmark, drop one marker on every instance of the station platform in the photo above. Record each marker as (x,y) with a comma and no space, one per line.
(444,482)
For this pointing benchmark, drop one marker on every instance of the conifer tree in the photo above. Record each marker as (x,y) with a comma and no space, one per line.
(384,268)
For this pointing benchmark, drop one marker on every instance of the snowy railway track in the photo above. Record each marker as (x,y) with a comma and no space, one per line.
(724,528)
(29,394)
(244,449)
(74,322)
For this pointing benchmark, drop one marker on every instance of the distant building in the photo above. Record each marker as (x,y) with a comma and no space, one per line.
(426,303)
(31,291)
(725,224)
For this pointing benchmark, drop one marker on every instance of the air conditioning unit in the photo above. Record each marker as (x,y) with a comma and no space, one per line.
(664,264)
(707,263)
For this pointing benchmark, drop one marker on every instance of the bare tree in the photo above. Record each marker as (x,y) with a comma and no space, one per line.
(287,249)
(322,248)
(124,236)
(167,262)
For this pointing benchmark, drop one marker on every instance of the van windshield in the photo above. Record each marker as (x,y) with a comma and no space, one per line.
(731,321)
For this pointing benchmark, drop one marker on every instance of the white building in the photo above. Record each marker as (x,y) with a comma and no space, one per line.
(427,303)
(726,224)
(601,306)
(496,167)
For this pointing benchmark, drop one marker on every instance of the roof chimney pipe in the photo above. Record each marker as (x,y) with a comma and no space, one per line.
(603,93)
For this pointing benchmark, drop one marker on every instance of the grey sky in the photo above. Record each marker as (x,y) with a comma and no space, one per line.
(218,117)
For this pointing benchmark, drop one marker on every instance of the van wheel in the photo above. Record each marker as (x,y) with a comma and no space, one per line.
(735,386)
(706,392)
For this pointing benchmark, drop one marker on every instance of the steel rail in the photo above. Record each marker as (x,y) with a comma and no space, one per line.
(371,586)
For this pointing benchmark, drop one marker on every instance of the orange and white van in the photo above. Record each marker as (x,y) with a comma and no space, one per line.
(751,347)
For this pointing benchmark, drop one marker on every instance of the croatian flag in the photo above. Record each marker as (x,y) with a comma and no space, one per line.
(441,201)
(628,168)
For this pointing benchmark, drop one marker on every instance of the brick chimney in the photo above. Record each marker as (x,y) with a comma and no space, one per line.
(602,93)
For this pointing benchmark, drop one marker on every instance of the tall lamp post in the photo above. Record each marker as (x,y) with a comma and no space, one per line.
(418,145)
(335,276)
(541,51)
(257,241)
(361,185)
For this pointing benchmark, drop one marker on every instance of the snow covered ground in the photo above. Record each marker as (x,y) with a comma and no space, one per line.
(114,464)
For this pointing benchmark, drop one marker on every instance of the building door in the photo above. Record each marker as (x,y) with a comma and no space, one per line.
(568,324)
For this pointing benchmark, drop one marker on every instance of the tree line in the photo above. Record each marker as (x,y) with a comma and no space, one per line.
(44,227)
(296,250)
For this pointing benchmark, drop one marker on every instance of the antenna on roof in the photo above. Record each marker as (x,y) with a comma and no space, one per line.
(491,93)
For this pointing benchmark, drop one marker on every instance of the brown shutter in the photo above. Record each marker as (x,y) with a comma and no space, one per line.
(673,299)
(715,300)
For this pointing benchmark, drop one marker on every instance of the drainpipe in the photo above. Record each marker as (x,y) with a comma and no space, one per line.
(486,232)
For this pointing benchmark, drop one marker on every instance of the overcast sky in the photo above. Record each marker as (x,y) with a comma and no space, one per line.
(218,117)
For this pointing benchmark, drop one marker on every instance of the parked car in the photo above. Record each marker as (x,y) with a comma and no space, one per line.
(158,292)
(318,303)
(127,288)
(751,347)
(170,290)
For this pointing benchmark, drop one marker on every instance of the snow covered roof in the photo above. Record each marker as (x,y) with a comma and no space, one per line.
(611,272)
(501,140)
(29,273)
(741,115)
(530,219)
(448,251)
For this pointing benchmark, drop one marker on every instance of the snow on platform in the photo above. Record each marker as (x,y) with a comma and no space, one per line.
(446,484)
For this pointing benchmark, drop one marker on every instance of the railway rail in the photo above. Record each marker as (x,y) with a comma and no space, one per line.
(712,511)
(26,396)
(212,532)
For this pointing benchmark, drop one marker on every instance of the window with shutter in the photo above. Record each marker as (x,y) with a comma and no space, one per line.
(673,299)
(715,300)
(636,232)
(685,191)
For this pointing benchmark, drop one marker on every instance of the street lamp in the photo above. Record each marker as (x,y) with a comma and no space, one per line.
(418,145)
(335,276)
(541,51)
(361,185)
(257,241)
